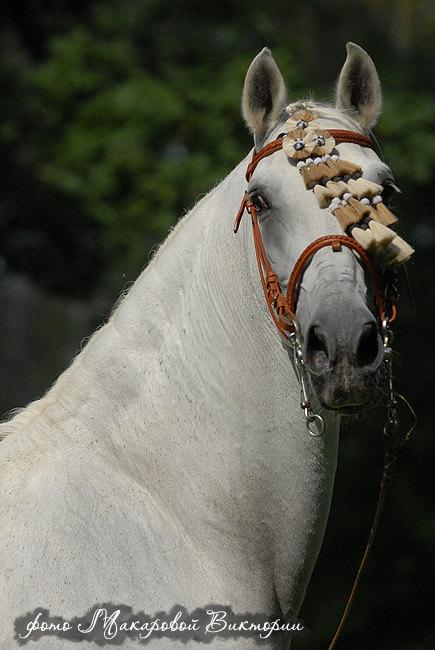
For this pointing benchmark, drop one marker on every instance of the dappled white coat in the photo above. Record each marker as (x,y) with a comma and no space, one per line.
(170,464)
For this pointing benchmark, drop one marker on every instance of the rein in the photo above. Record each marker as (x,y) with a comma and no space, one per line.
(283,311)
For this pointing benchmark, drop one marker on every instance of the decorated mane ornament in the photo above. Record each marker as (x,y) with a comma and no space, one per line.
(338,184)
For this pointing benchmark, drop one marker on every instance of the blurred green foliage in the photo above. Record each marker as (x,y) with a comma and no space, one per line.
(132,110)
(116,115)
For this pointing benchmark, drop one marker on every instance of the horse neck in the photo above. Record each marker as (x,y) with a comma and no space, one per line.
(189,390)
(200,300)
(225,429)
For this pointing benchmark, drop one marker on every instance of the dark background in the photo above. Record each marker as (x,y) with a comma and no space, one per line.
(115,117)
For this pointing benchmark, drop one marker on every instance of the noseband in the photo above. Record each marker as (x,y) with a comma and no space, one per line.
(282,308)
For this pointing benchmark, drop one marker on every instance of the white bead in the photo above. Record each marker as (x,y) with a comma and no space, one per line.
(317,161)
(365,201)
(347,196)
(335,203)
(376,199)
(301,164)
(335,157)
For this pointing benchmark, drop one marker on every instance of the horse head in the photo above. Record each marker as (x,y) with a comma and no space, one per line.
(318,186)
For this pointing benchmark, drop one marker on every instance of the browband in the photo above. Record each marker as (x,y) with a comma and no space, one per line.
(339,135)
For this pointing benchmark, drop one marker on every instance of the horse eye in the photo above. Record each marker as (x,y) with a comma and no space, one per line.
(258,202)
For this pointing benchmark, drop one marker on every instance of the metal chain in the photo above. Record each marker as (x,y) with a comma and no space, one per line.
(387,335)
(314,422)
(391,427)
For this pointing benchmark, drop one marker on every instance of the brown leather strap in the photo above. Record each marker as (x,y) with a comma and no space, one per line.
(268,149)
(285,306)
(336,241)
(272,292)
(341,135)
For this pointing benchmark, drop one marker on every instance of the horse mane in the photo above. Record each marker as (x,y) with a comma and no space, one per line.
(20,419)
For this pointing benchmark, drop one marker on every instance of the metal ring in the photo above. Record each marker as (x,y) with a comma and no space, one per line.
(387,334)
(317,430)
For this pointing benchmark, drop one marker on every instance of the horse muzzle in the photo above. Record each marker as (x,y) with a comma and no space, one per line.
(343,357)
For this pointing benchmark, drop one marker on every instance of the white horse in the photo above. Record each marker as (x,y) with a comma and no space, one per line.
(170,464)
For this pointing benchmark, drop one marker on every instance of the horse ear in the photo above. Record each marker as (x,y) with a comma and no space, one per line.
(359,88)
(264,94)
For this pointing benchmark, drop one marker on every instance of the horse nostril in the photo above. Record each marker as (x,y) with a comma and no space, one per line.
(368,345)
(317,350)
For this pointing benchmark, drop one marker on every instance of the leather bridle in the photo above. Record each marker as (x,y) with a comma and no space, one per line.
(282,308)
(283,312)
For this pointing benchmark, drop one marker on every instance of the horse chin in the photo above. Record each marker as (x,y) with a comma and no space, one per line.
(345,393)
